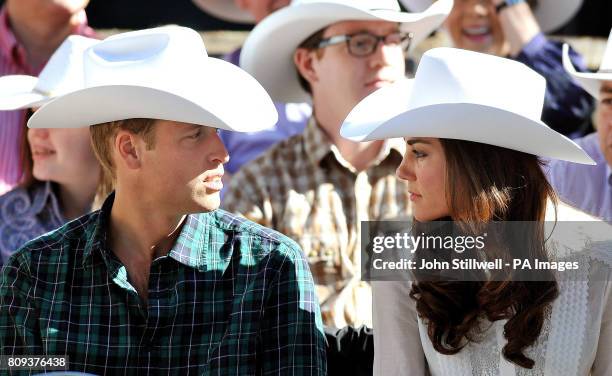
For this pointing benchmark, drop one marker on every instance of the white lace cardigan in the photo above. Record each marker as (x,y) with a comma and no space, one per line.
(576,338)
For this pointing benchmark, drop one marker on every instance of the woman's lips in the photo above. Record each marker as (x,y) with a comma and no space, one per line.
(39,152)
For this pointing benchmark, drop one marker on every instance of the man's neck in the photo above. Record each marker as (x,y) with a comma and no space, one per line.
(41,39)
(139,234)
(360,155)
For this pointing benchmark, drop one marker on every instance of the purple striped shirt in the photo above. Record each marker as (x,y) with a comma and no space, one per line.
(13,61)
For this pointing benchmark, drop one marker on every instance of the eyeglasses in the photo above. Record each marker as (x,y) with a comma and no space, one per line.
(363,44)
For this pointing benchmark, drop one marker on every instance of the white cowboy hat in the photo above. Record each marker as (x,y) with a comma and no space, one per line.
(62,74)
(268,50)
(162,73)
(550,14)
(591,82)
(464,95)
(226,10)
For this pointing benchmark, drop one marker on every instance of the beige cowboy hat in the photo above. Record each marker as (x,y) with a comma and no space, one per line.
(550,14)
(464,95)
(226,10)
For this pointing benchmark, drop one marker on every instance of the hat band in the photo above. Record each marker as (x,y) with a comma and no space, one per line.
(42,92)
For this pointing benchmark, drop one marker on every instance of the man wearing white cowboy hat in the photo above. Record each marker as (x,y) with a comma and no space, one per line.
(590,187)
(317,187)
(30,31)
(158,279)
(514,28)
(292,117)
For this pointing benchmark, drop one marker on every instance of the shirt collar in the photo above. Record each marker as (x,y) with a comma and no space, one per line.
(191,248)
(318,146)
(195,246)
(43,195)
(98,240)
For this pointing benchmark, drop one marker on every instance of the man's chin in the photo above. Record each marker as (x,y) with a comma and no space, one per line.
(207,204)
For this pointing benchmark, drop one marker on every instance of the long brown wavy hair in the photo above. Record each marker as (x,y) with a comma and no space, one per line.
(487,184)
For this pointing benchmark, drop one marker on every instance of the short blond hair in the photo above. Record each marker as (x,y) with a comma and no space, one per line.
(102,136)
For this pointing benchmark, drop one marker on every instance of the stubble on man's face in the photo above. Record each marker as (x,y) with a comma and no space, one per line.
(185,168)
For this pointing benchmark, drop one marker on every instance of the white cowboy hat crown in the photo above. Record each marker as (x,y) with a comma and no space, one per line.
(268,51)
(62,74)
(464,95)
(162,73)
(591,82)
(550,14)
(226,10)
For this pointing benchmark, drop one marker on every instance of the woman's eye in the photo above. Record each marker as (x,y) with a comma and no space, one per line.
(418,154)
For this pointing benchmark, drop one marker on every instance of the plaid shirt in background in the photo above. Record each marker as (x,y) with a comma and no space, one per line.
(303,188)
(230,298)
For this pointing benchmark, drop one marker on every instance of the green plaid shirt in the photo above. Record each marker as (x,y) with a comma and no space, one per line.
(230,298)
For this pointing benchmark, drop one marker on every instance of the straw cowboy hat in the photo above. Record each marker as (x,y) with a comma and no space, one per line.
(268,51)
(62,74)
(591,82)
(464,95)
(550,14)
(226,10)
(162,73)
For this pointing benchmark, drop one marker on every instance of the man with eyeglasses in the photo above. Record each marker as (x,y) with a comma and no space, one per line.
(317,187)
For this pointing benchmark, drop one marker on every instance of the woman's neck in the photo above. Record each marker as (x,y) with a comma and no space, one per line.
(76,199)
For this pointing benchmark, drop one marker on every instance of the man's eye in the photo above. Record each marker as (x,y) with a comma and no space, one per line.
(607,101)
(197,134)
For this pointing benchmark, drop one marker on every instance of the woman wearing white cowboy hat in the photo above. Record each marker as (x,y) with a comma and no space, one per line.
(514,28)
(30,31)
(62,179)
(473,131)
(590,187)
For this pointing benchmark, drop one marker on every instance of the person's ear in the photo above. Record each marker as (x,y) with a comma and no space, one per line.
(127,150)
(304,61)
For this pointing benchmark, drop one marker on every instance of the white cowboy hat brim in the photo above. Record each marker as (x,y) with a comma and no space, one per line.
(226,10)
(460,121)
(590,82)
(267,53)
(224,97)
(17,92)
(550,14)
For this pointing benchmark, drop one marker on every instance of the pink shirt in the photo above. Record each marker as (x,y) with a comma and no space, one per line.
(13,61)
